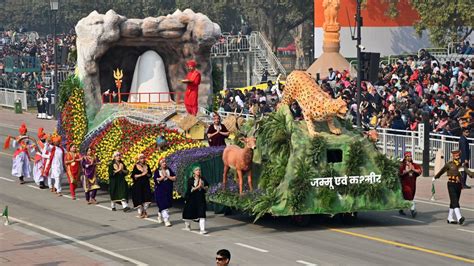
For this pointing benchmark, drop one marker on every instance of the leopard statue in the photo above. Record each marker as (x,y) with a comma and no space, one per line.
(316,104)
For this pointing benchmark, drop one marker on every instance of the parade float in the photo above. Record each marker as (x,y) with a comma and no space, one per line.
(317,166)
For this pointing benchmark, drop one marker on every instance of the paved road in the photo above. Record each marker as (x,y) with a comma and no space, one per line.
(121,238)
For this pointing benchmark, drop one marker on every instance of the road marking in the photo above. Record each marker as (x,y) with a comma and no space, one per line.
(80,242)
(103,207)
(151,220)
(465,230)
(408,219)
(6,179)
(35,187)
(306,263)
(6,154)
(398,244)
(250,247)
(444,205)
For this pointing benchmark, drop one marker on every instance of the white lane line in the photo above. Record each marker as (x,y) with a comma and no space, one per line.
(6,179)
(408,219)
(250,247)
(80,242)
(151,220)
(444,205)
(465,230)
(103,207)
(306,263)
(35,187)
(196,232)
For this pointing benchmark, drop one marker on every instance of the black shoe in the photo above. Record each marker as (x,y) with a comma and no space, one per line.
(113,209)
(461,221)
(41,185)
(126,209)
(401,212)
(466,187)
(21,180)
(413,213)
(452,222)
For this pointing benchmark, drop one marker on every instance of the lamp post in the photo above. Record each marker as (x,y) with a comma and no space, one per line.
(54,4)
(359,65)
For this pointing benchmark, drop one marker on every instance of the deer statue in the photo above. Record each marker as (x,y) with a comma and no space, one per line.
(241,160)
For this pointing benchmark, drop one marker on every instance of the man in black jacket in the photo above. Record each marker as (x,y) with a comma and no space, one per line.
(465,154)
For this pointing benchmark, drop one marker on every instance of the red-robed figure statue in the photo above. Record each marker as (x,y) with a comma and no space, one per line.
(193,79)
(408,173)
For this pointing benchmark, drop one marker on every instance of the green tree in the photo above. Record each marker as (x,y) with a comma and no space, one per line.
(446,21)
(275,19)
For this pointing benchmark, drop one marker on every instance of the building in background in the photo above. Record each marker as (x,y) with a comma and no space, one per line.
(380,33)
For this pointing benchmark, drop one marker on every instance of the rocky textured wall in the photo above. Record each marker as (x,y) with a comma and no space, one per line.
(177,37)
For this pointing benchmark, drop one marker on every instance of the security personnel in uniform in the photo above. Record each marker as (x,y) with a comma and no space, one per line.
(454,169)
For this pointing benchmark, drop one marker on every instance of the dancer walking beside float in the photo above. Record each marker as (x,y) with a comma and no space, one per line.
(454,169)
(54,167)
(141,191)
(72,161)
(21,156)
(195,200)
(408,173)
(39,161)
(89,164)
(118,188)
(164,179)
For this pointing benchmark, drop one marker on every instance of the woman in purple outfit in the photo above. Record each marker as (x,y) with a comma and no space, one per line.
(89,163)
(164,179)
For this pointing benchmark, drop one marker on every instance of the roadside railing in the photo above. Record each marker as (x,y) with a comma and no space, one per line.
(143,97)
(394,143)
(8,97)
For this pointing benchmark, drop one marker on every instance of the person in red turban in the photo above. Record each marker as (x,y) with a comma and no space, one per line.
(21,156)
(193,79)
(408,173)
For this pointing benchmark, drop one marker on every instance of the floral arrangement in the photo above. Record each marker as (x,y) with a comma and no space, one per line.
(73,118)
(179,160)
(131,140)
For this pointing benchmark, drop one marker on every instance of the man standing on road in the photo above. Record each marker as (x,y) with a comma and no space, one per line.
(465,154)
(454,169)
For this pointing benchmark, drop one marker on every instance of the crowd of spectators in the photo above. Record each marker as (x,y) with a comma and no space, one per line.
(403,92)
(30,51)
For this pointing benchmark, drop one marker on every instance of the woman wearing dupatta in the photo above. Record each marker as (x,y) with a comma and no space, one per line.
(89,164)
(72,161)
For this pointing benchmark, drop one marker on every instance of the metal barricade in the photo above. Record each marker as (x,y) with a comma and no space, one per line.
(394,143)
(9,96)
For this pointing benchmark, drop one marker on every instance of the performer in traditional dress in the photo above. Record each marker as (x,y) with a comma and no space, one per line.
(217,132)
(141,191)
(454,169)
(38,165)
(72,161)
(89,164)
(118,188)
(195,200)
(54,166)
(408,173)
(21,156)
(164,179)
(193,79)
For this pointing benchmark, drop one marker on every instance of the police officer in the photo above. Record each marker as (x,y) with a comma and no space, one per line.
(454,168)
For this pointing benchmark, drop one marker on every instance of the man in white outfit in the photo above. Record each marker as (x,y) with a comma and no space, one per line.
(54,167)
